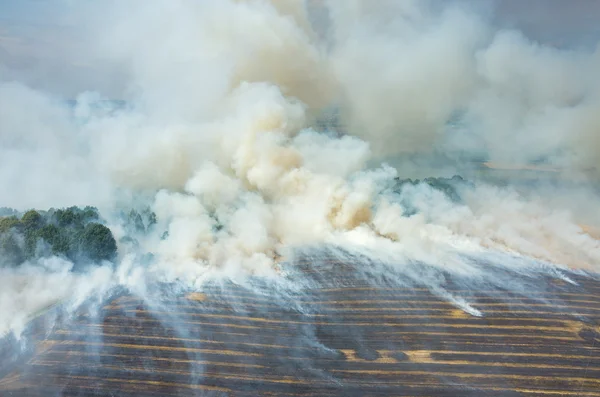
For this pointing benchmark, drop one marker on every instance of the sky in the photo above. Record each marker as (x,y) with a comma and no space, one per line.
(41,41)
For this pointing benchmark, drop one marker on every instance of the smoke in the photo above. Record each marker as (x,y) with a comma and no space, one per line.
(402,78)
(34,288)
(222,136)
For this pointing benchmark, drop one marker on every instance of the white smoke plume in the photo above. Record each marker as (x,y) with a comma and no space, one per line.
(221,135)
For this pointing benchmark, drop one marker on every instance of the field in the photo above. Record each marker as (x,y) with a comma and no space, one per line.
(353,339)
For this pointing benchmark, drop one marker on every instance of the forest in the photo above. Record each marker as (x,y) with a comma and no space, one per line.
(77,234)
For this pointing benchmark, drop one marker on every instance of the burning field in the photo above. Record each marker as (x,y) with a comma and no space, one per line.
(344,337)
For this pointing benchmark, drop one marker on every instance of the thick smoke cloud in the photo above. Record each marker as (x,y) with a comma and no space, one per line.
(518,101)
(222,135)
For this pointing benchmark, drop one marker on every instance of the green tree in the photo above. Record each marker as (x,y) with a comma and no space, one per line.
(71,232)
(97,242)
(76,217)
(11,252)
(55,238)
(32,220)
(8,223)
(65,217)
(90,214)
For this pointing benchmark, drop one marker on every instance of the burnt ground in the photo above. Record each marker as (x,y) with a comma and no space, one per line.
(353,339)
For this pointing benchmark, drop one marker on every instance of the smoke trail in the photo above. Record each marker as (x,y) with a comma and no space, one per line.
(221,136)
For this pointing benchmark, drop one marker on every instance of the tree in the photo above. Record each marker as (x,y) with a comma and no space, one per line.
(73,233)
(65,217)
(448,186)
(90,214)
(55,238)
(32,220)
(8,223)
(139,222)
(76,217)
(11,252)
(97,242)
(135,222)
